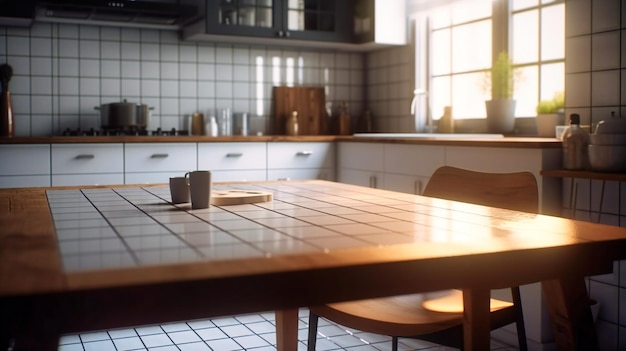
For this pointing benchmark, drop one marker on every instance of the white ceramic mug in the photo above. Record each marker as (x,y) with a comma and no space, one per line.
(200,189)
(179,189)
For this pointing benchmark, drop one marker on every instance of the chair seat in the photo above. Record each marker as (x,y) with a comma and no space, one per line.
(401,315)
(451,301)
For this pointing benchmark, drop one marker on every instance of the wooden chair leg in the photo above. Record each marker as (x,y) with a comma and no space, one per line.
(312,340)
(519,323)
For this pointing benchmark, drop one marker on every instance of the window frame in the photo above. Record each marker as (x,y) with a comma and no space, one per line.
(501,20)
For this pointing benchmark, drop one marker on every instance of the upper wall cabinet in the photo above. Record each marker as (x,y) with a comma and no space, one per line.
(288,19)
(313,23)
(379,22)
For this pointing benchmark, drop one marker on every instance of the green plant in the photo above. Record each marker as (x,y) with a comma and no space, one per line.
(556,104)
(502,77)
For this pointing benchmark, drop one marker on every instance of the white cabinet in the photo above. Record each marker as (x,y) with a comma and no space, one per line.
(237,161)
(87,164)
(361,164)
(408,168)
(156,162)
(24,165)
(300,160)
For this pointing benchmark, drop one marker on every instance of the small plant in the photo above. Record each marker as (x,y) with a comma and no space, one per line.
(502,77)
(555,105)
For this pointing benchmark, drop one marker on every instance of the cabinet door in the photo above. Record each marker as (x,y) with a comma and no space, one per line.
(87,164)
(24,165)
(319,20)
(295,160)
(323,20)
(260,18)
(156,162)
(232,156)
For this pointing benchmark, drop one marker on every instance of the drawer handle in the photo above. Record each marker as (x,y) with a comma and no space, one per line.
(304,153)
(160,156)
(234,154)
(85,157)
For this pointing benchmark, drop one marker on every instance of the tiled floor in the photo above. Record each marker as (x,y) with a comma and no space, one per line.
(247,332)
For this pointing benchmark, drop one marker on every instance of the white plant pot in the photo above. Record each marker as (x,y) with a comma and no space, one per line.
(500,116)
(546,124)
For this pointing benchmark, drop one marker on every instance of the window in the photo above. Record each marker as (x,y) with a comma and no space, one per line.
(462,38)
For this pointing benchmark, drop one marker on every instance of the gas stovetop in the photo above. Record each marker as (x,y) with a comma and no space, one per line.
(123,132)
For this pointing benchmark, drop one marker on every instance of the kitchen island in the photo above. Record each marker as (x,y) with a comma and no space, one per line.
(76,259)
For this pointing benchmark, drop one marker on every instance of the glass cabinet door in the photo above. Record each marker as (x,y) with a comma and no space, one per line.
(242,17)
(318,19)
(323,20)
(249,13)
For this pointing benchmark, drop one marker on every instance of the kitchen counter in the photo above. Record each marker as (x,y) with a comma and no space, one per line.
(506,142)
(62,258)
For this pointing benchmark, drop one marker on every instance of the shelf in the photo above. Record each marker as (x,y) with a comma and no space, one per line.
(564,173)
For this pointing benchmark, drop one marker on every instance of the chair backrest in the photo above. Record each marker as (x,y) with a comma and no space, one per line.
(514,191)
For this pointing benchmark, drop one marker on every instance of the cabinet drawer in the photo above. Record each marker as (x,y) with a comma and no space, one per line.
(87,158)
(160,157)
(24,159)
(300,155)
(232,156)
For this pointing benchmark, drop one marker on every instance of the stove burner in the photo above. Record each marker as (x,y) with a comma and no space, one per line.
(123,132)
(173,131)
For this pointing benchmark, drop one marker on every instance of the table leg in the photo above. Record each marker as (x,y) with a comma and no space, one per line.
(476,319)
(570,314)
(287,330)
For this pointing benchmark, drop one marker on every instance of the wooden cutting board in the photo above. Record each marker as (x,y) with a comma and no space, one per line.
(239,197)
(310,102)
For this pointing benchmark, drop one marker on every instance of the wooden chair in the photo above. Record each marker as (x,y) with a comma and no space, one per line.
(408,315)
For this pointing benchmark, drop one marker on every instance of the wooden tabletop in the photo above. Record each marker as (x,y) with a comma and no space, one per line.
(324,242)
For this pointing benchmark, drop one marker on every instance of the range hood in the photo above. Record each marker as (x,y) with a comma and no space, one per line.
(163,14)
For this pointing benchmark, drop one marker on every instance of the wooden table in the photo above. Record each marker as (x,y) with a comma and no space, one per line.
(316,242)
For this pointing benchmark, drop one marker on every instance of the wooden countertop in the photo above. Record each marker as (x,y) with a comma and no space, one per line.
(507,142)
(312,236)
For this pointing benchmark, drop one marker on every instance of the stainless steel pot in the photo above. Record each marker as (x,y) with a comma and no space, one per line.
(122,115)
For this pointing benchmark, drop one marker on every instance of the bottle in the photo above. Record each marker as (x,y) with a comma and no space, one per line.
(575,142)
(292,124)
(344,119)
(367,126)
(6,111)
(446,124)
(211,128)
(197,123)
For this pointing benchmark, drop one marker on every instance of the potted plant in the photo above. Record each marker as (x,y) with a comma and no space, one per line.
(550,114)
(501,108)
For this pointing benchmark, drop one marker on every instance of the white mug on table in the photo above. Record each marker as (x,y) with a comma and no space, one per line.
(200,189)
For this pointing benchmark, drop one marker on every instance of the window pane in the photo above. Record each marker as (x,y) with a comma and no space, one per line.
(468,97)
(523,4)
(552,80)
(526,91)
(553,32)
(471,47)
(525,37)
(440,52)
(471,10)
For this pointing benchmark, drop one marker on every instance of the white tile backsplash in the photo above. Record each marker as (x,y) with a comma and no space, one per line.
(76,67)
(605,51)
(110,50)
(605,87)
